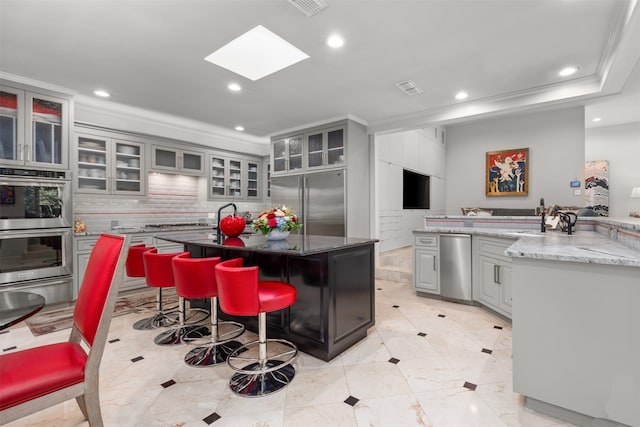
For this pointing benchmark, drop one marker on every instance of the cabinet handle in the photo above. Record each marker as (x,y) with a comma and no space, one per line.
(434,263)
(496,274)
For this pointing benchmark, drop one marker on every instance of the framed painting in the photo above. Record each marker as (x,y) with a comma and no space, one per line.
(507,172)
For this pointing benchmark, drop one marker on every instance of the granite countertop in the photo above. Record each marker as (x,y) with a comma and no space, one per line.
(295,244)
(583,246)
(139,230)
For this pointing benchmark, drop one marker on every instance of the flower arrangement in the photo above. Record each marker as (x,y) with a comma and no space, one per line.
(279,218)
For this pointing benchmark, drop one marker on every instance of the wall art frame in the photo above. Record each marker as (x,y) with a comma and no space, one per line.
(507,172)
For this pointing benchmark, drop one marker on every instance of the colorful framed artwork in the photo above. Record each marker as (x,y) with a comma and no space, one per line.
(507,172)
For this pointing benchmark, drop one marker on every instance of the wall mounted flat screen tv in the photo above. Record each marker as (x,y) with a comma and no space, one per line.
(415,190)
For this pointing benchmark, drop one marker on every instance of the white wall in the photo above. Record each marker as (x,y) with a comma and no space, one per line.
(556,142)
(620,145)
(418,150)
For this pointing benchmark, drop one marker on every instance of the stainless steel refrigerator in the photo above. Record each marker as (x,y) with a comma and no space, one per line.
(317,198)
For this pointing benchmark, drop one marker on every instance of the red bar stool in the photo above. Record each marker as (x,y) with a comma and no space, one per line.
(135,268)
(159,273)
(195,278)
(241,294)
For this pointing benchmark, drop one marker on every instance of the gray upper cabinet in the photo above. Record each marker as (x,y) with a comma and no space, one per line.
(109,166)
(34,129)
(312,149)
(287,154)
(177,160)
(234,177)
(325,148)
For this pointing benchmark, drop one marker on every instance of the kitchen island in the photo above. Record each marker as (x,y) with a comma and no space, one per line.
(334,278)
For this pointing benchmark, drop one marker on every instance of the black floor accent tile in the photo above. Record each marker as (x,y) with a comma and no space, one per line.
(168,383)
(211,418)
(470,386)
(351,401)
(486,350)
(422,334)
(393,360)
(378,289)
(114,340)
(497,327)
(9,348)
(137,359)
(396,306)
(441,315)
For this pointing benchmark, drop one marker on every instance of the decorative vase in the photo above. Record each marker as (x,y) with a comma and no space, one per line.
(276,234)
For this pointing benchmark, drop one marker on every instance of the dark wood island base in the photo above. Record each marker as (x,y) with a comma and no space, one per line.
(334,278)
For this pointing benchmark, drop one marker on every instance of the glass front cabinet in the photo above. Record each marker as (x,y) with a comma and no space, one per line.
(287,154)
(325,148)
(187,162)
(109,166)
(234,178)
(34,129)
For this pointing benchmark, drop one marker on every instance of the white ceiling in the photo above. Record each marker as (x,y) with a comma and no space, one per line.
(504,53)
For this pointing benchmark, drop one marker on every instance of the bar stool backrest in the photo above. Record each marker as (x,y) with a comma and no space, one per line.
(195,277)
(237,288)
(158,269)
(135,265)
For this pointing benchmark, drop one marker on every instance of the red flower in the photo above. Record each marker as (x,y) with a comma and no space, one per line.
(272,222)
(271,216)
(294,219)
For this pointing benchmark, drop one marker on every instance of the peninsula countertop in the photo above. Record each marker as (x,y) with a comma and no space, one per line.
(296,244)
(582,246)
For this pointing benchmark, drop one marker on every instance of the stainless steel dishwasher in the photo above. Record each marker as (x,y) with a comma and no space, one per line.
(455,266)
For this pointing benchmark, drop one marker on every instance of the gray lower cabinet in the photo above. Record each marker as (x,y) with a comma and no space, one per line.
(83,247)
(425,261)
(492,274)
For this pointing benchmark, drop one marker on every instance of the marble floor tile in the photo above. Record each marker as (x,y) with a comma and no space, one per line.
(410,370)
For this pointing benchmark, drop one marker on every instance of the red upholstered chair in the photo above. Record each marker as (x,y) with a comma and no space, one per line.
(159,273)
(242,294)
(195,278)
(135,268)
(39,377)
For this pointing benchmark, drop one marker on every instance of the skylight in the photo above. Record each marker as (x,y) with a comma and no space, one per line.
(256,54)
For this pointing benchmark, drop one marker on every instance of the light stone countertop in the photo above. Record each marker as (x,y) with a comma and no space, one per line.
(583,246)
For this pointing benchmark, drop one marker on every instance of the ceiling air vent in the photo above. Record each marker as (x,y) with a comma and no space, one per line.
(409,88)
(309,7)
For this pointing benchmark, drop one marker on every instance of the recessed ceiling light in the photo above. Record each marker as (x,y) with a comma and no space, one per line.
(335,41)
(462,95)
(596,119)
(256,54)
(239,128)
(234,87)
(567,71)
(101,93)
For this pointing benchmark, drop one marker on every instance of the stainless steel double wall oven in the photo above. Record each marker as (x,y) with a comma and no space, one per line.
(36,228)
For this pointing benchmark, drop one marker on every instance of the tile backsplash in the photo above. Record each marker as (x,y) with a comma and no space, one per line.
(170,199)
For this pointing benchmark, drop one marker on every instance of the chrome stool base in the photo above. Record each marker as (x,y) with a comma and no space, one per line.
(201,357)
(174,336)
(270,368)
(262,383)
(161,320)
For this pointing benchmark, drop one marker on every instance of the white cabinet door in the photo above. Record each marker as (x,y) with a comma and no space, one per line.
(505,283)
(426,271)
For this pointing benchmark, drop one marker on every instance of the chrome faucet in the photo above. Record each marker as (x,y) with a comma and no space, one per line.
(218,231)
(542,212)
